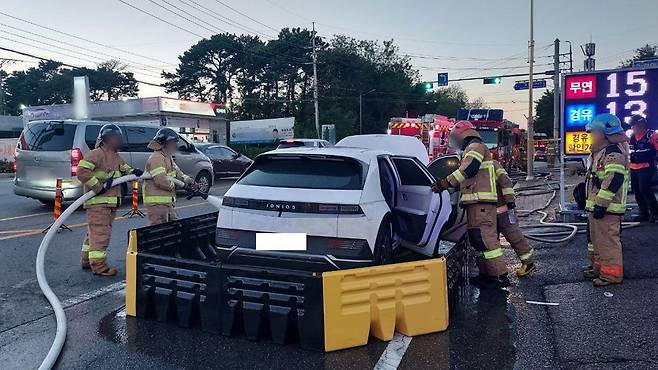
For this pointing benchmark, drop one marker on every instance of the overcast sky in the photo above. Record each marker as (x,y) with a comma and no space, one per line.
(460,37)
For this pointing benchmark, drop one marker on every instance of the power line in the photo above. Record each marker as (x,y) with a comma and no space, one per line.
(224,19)
(248,17)
(66,43)
(62,63)
(85,39)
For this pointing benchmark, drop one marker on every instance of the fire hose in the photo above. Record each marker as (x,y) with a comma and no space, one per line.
(60,316)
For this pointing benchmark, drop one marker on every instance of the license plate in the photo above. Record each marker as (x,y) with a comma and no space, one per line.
(281,241)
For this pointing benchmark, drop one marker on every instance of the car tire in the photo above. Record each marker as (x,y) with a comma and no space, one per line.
(47,202)
(204,180)
(383,250)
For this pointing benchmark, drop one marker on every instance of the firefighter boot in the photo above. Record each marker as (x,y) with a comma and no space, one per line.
(100,267)
(84,261)
(526,269)
(602,281)
(590,273)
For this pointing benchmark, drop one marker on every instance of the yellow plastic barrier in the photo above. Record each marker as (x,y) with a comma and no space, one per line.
(410,297)
(131,274)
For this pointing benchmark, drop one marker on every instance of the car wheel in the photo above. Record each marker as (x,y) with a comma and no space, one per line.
(384,242)
(204,181)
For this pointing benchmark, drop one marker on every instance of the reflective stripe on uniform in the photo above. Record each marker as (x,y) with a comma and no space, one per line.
(92,182)
(507,191)
(102,200)
(157,171)
(125,167)
(494,253)
(479,196)
(97,255)
(605,194)
(613,167)
(167,199)
(590,247)
(527,256)
(172,173)
(612,208)
(86,164)
(475,155)
(85,247)
(457,174)
(101,175)
(500,172)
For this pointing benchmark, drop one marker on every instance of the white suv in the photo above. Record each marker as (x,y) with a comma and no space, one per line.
(355,204)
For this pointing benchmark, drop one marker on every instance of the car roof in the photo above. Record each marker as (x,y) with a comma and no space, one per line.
(73,121)
(362,154)
(394,144)
(301,140)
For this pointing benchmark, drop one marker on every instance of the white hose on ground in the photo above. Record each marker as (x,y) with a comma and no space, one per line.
(60,336)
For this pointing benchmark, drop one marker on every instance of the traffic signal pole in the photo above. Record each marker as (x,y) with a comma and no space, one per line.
(556,98)
(531,130)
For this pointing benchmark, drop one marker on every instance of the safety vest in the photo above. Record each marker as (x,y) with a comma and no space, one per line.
(159,199)
(481,188)
(642,151)
(102,176)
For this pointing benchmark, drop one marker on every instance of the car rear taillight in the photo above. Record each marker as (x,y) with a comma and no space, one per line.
(76,157)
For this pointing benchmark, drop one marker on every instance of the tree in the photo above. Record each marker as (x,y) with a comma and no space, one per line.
(109,81)
(544,114)
(642,53)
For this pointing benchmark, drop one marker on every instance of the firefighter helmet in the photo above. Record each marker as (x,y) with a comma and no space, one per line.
(165,135)
(608,123)
(460,131)
(637,120)
(109,130)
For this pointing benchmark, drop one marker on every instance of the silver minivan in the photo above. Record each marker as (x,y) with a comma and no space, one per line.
(48,150)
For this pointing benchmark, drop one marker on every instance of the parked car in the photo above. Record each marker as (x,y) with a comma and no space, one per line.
(225,161)
(356,205)
(48,150)
(295,143)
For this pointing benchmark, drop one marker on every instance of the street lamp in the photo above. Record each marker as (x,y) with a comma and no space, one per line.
(361,109)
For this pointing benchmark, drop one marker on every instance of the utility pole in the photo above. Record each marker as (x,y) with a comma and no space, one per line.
(556,100)
(531,130)
(361,94)
(315,86)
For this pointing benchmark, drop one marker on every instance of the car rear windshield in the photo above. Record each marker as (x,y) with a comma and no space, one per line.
(292,144)
(48,136)
(305,172)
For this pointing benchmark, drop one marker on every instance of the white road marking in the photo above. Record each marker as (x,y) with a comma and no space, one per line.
(392,355)
(94,294)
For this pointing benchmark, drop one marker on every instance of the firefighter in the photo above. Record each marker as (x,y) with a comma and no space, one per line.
(507,222)
(476,177)
(644,144)
(97,171)
(607,186)
(159,192)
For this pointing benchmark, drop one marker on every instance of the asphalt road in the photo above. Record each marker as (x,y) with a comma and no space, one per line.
(588,330)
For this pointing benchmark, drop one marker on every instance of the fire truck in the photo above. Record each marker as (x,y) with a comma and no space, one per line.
(431,129)
(502,137)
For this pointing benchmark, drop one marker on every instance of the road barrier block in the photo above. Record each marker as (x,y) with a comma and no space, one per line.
(173,274)
(409,297)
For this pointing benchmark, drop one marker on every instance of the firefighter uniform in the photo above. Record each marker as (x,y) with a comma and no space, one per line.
(607,187)
(476,178)
(643,146)
(159,192)
(100,165)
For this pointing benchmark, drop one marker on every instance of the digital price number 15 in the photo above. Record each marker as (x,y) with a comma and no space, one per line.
(634,87)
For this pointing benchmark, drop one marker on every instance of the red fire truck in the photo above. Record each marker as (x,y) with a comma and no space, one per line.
(502,137)
(431,129)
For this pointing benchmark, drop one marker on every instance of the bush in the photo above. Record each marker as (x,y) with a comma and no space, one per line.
(6,166)
(252,151)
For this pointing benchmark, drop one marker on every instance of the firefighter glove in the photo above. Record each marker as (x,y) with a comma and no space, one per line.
(107,185)
(440,186)
(511,205)
(599,212)
(137,172)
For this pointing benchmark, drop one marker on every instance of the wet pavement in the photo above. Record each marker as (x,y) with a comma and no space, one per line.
(488,330)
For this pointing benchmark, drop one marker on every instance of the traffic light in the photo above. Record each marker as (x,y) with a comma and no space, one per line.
(427,86)
(492,80)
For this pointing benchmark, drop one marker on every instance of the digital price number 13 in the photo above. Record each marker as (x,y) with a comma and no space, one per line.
(634,87)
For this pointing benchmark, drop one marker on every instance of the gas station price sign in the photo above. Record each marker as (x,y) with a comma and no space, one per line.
(622,92)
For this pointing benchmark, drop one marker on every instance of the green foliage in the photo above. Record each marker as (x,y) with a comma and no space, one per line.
(50,83)
(642,53)
(6,166)
(252,151)
(544,114)
(270,79)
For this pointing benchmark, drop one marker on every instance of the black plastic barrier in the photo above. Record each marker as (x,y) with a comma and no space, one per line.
(181,278)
